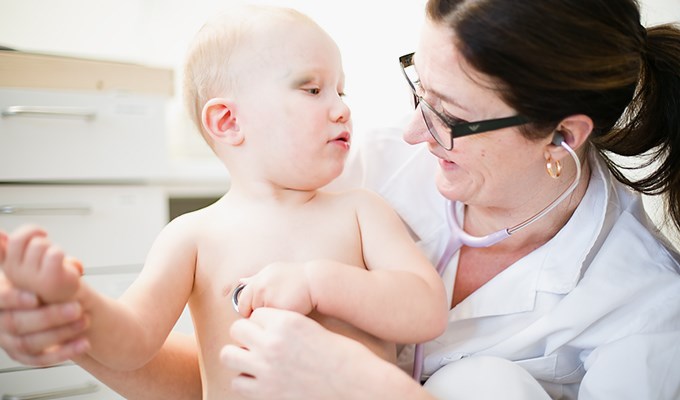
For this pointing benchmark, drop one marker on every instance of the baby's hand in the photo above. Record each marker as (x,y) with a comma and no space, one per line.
(31,262)
(278,285)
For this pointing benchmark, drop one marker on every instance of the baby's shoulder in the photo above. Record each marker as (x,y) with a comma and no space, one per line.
(360,199)
(355,195)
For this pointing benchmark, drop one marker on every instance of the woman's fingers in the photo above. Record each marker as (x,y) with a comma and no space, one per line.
(54,354)
(39,342)
(12,298)
(24,322)
(45,335)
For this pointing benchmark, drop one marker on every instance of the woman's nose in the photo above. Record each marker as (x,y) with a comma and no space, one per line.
(416,131)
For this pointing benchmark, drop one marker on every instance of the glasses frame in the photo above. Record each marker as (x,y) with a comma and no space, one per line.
(455,130)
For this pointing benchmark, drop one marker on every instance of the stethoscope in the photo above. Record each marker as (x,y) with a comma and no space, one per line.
(459,236)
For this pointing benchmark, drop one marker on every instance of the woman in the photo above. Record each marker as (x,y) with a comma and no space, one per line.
(584,296)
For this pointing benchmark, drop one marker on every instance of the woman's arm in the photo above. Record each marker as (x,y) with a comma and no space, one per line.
(285,355)
(42,335)
(172,374)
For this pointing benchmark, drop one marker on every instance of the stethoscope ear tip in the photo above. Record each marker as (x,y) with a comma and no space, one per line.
(557,139)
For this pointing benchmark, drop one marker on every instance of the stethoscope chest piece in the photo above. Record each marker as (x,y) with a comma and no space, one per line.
(236,294)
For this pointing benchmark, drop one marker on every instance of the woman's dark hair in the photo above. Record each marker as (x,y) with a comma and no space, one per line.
(556,58)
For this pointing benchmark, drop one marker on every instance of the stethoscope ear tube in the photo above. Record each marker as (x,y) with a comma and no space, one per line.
(495,237)
(491,239)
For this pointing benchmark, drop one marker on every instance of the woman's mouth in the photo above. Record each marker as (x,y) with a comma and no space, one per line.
(445,164)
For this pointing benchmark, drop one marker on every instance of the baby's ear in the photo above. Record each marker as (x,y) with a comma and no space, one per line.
(219,120)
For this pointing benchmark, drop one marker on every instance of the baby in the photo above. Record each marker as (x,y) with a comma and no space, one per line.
(264,85)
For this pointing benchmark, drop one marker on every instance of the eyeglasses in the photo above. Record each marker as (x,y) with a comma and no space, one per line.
(442,129)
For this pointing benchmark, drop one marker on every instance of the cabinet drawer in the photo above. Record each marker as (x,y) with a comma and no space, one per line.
(80,136)
(102,225)
(62,383)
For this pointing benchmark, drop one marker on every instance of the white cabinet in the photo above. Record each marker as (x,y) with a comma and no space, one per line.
(108,136)
(82,144)
(102,225)
(65,119)
(66,382)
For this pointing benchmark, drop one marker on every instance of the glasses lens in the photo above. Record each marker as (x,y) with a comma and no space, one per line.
(438,128)
(413,81)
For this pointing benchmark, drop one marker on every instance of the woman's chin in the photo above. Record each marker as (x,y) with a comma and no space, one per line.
(452,190)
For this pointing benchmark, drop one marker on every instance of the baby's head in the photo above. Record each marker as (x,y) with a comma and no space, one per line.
(226,48)
(264,85)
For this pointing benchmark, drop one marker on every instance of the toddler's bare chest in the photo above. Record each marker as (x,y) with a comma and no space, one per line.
(239,250)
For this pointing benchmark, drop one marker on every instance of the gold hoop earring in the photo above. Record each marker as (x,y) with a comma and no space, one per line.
(553,167)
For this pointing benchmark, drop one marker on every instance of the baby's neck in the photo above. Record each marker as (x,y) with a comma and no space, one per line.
(266,194)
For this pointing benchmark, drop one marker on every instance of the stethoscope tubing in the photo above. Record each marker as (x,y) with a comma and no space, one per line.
(489,240)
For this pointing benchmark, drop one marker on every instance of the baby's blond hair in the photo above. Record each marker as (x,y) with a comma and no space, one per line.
(208,69)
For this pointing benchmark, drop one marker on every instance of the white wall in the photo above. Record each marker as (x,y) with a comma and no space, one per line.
(371,35)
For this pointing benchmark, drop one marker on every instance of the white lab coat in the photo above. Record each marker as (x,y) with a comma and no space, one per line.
(594,313)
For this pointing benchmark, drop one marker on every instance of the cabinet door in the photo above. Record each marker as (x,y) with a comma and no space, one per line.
(103,226)
(66,382)
(80,136)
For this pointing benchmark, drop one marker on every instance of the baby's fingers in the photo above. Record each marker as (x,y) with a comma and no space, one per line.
(17,244)
(3,245)
(245,300)
(74,263)
(57,280)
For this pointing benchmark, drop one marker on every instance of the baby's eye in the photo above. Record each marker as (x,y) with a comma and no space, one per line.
(314,91)
(342,94)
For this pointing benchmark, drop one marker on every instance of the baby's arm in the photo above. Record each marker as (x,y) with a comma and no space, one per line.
(126,333)
(400,298)
(123,334)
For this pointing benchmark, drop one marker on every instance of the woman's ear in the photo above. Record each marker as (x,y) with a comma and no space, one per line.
(219,121)
(574,130)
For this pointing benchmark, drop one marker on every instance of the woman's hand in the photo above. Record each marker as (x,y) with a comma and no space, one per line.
(39,335)
(284,355)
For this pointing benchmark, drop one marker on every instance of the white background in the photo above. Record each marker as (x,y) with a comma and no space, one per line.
(371,34)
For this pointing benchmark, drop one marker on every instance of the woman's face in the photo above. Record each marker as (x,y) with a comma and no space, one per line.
(491,169)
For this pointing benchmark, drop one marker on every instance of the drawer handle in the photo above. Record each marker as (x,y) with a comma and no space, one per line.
(10,209)
(68,112)
(89,387)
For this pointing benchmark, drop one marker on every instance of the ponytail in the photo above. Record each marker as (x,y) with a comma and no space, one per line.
(651,124)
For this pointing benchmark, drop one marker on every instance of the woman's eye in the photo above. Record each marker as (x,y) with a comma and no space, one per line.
(451,120)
